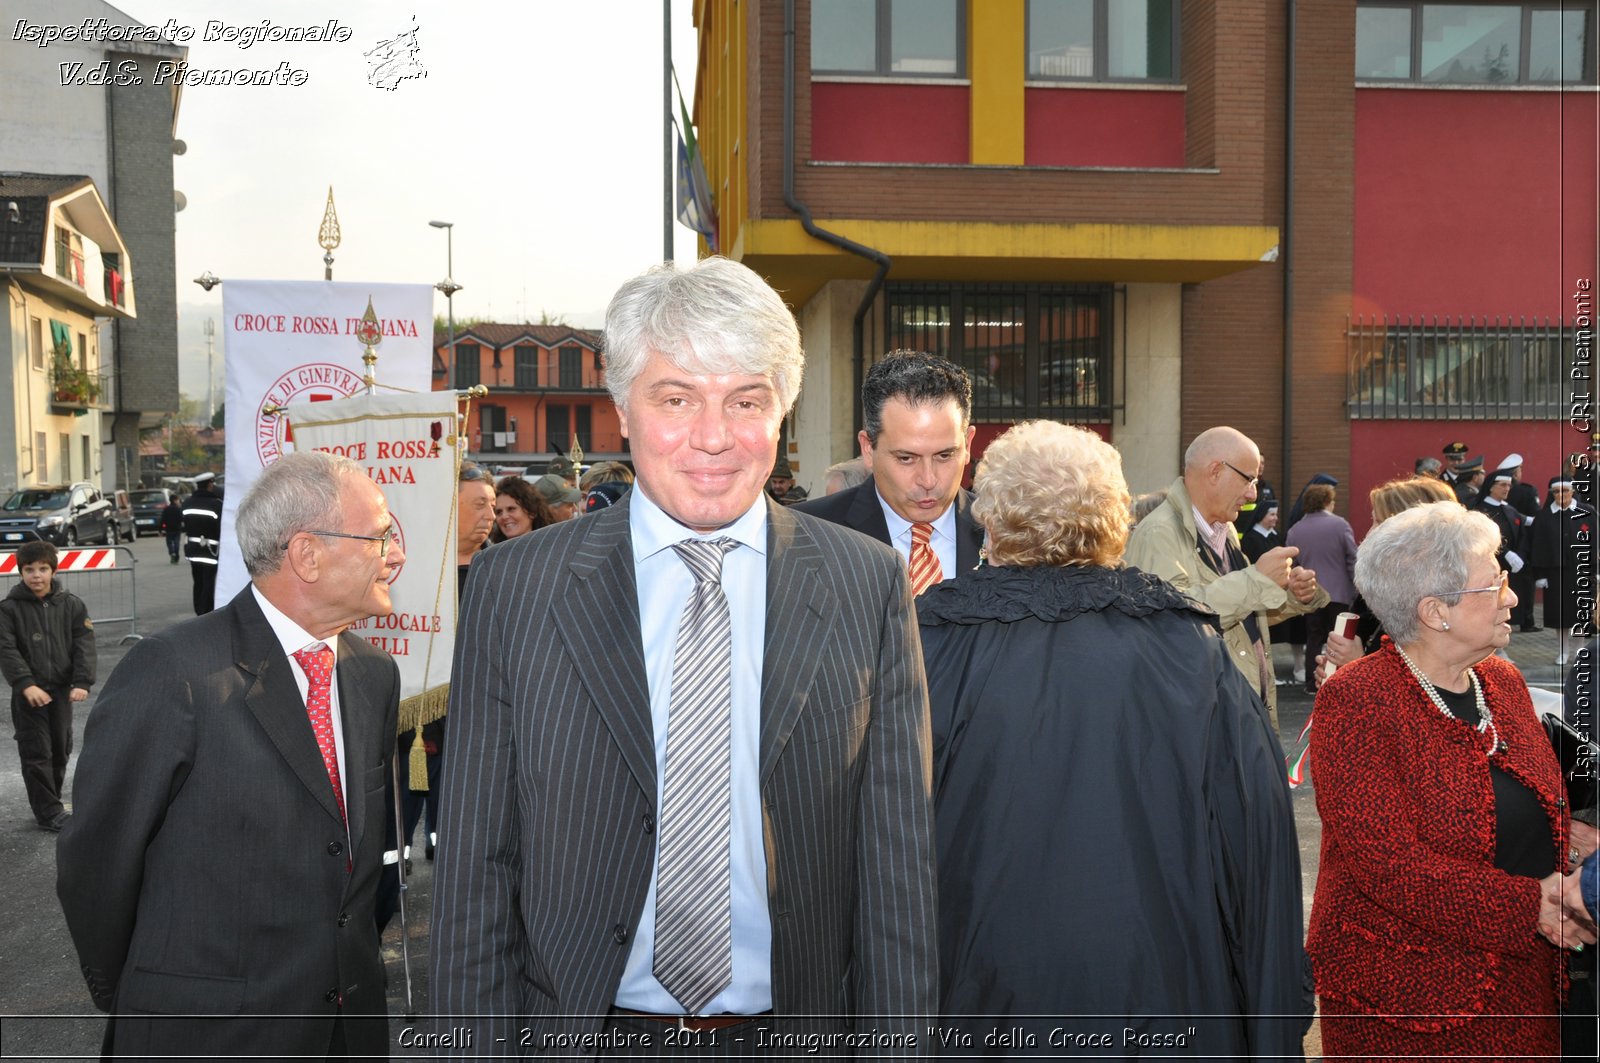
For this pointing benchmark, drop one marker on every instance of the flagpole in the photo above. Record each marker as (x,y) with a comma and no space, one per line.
(666,131)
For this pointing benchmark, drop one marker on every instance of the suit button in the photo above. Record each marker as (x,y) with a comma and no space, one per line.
(621,934)
(331,995)
(1561,802)
(335,848)
(649,822)
(344,917)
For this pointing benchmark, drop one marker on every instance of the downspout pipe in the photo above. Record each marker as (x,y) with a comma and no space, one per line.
(858,329)
(1286,247)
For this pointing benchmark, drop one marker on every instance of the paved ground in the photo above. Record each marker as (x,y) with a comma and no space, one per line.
(47,1012)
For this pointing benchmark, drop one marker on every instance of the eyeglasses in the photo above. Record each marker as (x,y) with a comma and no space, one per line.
(1496,588)
(1248,479)
(383,540)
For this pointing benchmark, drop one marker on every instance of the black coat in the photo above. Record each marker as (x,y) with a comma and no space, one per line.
(1115,835)
(202,525)
(1561,550)
(1509,521)
(46,642)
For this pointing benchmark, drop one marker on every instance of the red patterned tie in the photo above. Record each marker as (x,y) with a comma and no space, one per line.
(925,568)
(317,662)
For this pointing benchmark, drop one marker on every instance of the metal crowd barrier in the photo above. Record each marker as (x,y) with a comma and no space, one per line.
(103,576)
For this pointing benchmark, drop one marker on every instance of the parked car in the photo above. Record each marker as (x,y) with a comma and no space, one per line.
(148,502)
(64,514)
(122,526)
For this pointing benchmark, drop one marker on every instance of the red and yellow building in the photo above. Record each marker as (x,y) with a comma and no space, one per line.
(1334,225)
(546,389)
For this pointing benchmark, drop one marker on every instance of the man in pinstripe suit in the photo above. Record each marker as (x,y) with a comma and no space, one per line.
(559,905)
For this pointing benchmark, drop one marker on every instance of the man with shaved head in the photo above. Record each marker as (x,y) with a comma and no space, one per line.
(1190,542)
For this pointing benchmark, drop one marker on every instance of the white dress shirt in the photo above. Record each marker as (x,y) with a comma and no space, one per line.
(294,638)
(664,586)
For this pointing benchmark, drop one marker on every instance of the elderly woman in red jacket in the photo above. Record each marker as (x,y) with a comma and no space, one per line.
(1437,926)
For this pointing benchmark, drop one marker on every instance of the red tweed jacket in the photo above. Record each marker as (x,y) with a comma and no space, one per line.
(1410,915)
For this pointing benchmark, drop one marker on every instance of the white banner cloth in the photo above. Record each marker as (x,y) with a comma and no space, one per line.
(296,341)
(407,444)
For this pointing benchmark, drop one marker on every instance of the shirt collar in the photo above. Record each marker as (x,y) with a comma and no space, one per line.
(1216,532)
(291,636)
(943,526)
(653,531)
(1487,500)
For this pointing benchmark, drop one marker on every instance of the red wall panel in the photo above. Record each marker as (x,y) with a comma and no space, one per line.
(1383,450)
(853,122)
(1104,127)
(1474,203)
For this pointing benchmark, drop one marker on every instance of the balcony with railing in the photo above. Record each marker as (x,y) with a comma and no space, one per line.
(74,389)
(69,263)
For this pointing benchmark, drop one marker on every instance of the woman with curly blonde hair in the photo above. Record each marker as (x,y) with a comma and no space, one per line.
(1114,831)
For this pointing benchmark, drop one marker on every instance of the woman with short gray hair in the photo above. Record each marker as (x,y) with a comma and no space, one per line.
(1437,928)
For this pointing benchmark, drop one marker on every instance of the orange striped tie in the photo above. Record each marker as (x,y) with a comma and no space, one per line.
(925,568)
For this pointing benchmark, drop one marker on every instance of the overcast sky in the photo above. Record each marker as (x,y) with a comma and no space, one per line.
(536,130)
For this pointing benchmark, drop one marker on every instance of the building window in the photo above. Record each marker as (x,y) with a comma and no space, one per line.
(1542,43)
(1103,40)
(557,429)
(888,38)
(36,343)
(582,416)
(527,365)
(1449,369)
(492,429)
(468,365)
(571,367)
(41,458)
(1031,350)
(66,459)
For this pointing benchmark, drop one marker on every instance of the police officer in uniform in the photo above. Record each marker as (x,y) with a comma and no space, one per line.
(202,526)
(1455,455)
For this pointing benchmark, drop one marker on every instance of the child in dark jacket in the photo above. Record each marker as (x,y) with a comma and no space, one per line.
(47,656)
(171,525)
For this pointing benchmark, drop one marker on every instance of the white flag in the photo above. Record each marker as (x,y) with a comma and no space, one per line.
(298,341)
(409,445)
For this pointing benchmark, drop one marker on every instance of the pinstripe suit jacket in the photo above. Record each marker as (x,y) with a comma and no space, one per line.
(547,843)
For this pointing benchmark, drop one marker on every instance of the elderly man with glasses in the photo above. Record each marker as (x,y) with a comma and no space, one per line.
(1190,542)
(219,874)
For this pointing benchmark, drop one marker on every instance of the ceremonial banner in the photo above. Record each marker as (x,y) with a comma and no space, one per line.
(297,341)
(409,446)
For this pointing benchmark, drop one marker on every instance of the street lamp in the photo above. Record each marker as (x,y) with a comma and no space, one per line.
(449,287)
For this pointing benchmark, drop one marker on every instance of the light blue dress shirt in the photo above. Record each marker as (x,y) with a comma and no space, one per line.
(942,537)
(664,586)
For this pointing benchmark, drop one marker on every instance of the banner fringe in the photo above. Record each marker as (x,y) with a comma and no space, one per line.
(423,708)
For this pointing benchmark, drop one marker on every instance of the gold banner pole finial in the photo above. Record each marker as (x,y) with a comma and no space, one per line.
(369,333)
(575,455)
(328,236)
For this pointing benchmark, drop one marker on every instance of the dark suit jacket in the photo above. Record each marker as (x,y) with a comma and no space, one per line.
(204,868)
(548,832)
(858,507)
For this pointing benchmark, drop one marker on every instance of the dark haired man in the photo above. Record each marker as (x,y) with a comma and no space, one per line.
(917,414)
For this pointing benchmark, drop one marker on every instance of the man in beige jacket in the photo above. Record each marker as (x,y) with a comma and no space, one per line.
(1189,541)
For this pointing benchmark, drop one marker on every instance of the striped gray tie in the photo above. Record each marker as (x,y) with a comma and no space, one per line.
(694,926)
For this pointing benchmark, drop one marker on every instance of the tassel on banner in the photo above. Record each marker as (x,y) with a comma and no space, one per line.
(419,764)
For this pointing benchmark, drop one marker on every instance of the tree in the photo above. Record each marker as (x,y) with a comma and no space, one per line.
(217,419)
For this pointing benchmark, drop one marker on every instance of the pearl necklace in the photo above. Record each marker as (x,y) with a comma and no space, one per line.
(1485,717)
